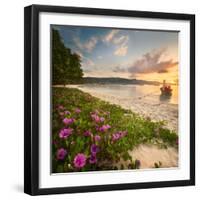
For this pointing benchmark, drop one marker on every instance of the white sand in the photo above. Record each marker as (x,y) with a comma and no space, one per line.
(150,154)
(157,112)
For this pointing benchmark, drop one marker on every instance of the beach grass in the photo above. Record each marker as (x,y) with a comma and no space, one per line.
(91,134)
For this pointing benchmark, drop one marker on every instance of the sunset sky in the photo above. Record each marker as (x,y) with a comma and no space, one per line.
(141,54)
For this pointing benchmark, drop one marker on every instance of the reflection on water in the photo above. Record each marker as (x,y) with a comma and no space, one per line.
(149,92)
(165,98)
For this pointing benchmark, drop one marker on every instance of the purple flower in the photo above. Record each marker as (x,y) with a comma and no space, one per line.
(95,118)
(118,135)
(61,153)
(92,159)
(65,133)
(87,133)
(104,128)
(97,138)
(79,160)
(77,110)
(102,119)
(67,112)
(68,121)
(115,137)
(177,141)
(94,149)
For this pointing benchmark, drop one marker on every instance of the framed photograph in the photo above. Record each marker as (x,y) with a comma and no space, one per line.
(109,100)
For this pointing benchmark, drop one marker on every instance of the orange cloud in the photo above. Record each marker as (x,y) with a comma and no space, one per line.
(151,62)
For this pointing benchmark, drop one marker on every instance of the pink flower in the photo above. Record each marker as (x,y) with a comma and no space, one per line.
(115,136)
(118,135)
(61,153)
(94,149)
(92,159)
(104,128)
(77,110)
(97,138)
(67,112)
(68,121)
(95,118)
(102,119)
(87,133)
(65,133)
(79,160)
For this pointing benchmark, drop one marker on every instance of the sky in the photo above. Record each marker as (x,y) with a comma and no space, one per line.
(127,53)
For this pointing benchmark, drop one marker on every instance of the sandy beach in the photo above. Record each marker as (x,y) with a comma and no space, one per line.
(150,154)
(156,111)
(147,154)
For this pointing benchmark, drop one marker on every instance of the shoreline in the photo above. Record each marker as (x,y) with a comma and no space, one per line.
(148,154)
(142,106)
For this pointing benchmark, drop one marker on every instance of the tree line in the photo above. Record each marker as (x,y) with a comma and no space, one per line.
(66,66)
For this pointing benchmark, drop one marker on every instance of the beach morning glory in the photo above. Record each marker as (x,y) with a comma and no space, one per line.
(104,128)
(61,153)
(65,133)
(92,159)
(97,138)
(118,135)
(68,121)
(79,160)
(87,133)
(94,149)
(77,110)
(67,112)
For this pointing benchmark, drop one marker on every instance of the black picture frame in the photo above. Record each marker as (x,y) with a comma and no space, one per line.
(31,99)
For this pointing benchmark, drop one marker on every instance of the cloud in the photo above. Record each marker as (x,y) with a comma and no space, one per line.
(91,44)
(90,63)
(87,63)
(99,57)
(121,51)
(88,45)
(151,62)
(120,42)
(109,37)
(118,69)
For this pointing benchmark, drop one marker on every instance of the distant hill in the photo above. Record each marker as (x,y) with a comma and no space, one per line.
(117,80)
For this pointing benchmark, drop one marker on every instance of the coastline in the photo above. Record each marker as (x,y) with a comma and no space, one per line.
(148,154)
(142,106)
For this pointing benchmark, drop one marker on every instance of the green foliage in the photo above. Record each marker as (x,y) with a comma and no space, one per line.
(66,66)
(139,130)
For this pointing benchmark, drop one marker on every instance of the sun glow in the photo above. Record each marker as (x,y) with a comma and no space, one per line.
(171,76)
